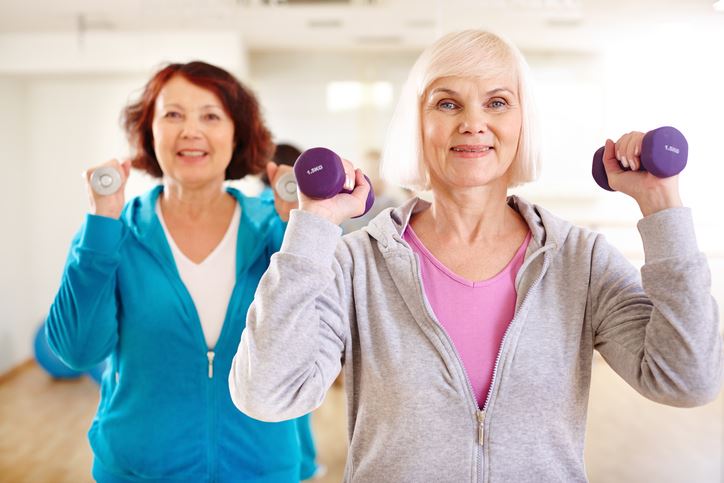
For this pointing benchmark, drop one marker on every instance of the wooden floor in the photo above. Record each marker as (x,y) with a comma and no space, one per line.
(43,426)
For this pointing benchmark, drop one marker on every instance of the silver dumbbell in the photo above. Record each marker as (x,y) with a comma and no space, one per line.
(286,187)
(105,180)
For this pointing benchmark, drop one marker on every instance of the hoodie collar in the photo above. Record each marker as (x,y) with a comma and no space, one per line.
(546,229)
(256,219)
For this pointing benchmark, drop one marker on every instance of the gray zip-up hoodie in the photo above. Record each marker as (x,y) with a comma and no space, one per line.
(358,302)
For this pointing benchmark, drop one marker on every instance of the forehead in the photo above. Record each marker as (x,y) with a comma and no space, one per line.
(179,90)
(475,84)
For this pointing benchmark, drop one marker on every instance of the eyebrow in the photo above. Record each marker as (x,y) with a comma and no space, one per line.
(206,106)
(445,90)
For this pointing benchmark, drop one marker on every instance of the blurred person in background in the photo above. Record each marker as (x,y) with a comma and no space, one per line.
(384,198)
(161,284)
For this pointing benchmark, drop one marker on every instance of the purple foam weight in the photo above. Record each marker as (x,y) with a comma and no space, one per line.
(320,175)
(664,152)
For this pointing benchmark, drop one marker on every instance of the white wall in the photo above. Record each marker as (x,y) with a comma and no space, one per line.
(16,306)
(292,89)
(40,53)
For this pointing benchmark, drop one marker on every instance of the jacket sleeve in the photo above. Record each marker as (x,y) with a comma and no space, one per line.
(82,325)
(291,349)
(660,330)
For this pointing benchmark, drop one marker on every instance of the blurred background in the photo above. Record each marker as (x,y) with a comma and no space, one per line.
(328,73)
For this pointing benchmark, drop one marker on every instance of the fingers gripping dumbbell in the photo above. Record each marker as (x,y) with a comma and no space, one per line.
(664,153)
(318,173)
(105,180)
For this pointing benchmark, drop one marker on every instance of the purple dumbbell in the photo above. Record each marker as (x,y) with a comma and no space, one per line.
(663,154)
(320,175)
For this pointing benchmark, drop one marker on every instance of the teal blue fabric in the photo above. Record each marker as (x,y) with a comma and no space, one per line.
(161,418)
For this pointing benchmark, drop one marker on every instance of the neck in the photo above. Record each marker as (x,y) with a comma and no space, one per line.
(192,201)
(470,215)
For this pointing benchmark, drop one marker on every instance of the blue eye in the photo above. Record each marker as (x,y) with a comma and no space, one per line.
(498,103)
(446,105)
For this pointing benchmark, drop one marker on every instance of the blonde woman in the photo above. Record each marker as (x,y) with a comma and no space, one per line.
(466,326)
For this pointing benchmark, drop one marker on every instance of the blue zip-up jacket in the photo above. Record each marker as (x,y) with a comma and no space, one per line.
(165,413)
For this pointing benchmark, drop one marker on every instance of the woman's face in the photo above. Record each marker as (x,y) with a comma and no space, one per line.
(470,130)
(192,135)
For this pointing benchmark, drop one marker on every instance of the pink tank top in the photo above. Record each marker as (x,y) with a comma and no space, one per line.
(474,314)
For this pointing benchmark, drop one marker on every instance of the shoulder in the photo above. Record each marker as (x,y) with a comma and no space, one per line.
(257,210)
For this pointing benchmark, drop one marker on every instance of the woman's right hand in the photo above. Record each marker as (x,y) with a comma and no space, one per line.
(108,205)
(342,206)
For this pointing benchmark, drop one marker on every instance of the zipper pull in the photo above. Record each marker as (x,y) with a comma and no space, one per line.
(210,357)
(481,427)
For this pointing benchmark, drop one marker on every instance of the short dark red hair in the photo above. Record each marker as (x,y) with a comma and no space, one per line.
(252,140)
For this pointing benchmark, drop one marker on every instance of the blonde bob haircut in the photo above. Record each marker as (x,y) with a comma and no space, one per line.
(469,53)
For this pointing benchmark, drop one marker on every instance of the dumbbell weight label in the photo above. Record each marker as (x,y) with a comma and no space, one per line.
(320,175)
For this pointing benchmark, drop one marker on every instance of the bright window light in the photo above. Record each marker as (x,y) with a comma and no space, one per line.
(351,95)
(344,95)
(719,6)
(381,94)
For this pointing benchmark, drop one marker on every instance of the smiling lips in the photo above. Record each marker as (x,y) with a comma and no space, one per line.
(471,150)
(191,154)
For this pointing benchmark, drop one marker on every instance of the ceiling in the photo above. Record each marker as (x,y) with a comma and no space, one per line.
(575,25)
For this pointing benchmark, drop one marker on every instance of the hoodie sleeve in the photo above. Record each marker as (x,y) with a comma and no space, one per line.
(291,349)
(660,330)
(82,326)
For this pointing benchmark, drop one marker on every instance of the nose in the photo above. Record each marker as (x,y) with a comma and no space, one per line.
(473,121)
(191,128)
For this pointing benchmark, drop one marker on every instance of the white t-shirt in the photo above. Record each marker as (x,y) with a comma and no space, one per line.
(210,282)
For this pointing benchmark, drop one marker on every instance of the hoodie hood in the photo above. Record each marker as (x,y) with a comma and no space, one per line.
(547,230)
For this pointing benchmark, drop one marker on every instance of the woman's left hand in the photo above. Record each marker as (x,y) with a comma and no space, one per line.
(651,193)
(273,172)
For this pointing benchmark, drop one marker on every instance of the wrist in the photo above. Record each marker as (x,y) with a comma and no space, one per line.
(321,212)
(656,201)
(115,214)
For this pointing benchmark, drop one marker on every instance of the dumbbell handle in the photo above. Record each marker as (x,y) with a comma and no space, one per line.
(664,152)
(320,174)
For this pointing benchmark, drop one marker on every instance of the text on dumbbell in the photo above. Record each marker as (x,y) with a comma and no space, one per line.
(672,149)
(315,169)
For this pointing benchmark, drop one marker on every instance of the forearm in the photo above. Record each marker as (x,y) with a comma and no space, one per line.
(81,324)
(290,351)
(664,339)
(682,339)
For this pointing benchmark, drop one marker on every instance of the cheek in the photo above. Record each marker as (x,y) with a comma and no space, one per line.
(226,141)
(160,137)
(433,136)
(513,130)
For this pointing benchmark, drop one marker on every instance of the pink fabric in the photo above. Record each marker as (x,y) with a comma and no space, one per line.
(474,314)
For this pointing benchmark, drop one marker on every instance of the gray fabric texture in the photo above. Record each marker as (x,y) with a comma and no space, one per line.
(357,303)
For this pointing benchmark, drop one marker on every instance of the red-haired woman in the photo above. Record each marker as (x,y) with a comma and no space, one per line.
(161,284)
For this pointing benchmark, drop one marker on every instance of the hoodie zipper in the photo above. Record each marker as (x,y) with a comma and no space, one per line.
(481,413)
(210,356)
(533,287)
